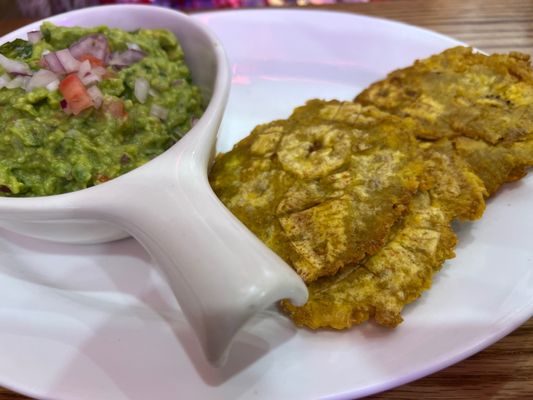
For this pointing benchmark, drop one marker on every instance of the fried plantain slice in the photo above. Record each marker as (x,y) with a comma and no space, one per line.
(250,182)
(383,284)
(324,187)
(496,164)
(454,186)
(461,93)
(418,245)
(484,104)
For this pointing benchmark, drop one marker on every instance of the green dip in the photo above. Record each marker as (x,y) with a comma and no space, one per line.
(45,150)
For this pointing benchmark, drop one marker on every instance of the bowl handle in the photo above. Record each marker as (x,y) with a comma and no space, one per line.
(220,273)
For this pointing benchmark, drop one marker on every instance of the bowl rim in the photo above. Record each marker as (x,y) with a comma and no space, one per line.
(216,103)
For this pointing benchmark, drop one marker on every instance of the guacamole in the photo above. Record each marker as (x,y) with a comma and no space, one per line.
(81,106)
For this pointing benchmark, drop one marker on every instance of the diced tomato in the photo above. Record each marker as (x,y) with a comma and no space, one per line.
(115,108)
(95,62)
(75,94)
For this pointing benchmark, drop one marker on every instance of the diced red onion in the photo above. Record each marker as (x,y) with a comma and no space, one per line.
(52,86)
(141,89)
(85,68)
(90,79)
(41,78)
(18,82)
(34,36)
(96,96)
(126,58)
(14,67)
(53,63)
(4,79)
(159,112)
(69,63)
(63,104)
(95,45)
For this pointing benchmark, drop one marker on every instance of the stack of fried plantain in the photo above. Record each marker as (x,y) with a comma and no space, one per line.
(358,197)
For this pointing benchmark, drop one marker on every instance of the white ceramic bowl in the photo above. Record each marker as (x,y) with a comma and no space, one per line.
(208,66)
(220,273)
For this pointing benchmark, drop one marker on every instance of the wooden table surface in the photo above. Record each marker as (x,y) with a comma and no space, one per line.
(505,369)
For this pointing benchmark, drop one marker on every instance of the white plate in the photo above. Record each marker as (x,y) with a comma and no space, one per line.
(98,322)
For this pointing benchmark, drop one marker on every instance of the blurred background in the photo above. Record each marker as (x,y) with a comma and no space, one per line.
(10,9)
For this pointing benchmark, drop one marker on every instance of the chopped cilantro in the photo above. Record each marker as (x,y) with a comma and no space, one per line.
(17,49)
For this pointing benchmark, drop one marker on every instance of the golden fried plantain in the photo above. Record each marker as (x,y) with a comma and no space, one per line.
(454,185)
(321,192)
(496,164)
(393,277)
(461,93)
(484,104)
(401,270)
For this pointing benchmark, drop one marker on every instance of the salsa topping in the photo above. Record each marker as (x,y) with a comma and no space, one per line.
(88,57)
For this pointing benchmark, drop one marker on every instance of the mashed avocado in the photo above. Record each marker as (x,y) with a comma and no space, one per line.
(47,148)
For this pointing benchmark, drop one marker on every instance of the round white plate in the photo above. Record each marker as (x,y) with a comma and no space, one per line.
(98,322)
